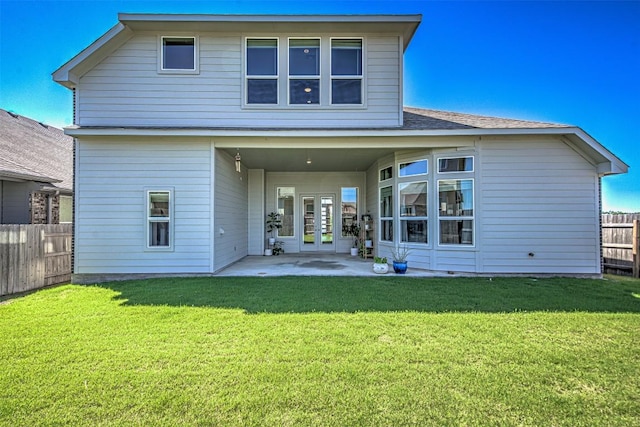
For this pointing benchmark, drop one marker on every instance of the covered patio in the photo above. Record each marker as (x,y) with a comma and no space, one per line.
(313,264)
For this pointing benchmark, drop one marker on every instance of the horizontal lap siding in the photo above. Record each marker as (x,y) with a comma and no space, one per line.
(110,208)
(537,197)
(231,211)
(126,90)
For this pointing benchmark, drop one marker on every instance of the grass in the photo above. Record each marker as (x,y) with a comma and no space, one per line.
(324,351)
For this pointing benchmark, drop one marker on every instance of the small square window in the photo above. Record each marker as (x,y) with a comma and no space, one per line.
(179,53)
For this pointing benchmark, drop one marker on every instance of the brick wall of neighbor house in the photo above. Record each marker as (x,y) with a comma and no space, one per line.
(39,209)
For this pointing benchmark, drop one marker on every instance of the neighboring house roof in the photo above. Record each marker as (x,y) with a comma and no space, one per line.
(33,151)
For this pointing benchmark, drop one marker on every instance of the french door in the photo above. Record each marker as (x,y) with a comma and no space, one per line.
(318,220)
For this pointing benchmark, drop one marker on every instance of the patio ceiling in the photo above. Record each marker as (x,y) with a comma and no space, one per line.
(322,160)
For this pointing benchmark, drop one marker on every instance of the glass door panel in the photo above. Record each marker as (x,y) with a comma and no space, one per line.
(308,221)
(326,220)
(317,223)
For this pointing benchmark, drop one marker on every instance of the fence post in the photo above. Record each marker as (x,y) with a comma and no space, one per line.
(636,248)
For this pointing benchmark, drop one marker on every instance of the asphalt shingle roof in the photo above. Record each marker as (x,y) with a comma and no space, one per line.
(425,119)
(35,151)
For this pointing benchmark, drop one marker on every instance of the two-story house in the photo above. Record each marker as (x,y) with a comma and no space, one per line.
(190,129)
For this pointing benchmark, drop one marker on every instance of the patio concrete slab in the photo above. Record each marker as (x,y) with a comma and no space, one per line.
(312,264)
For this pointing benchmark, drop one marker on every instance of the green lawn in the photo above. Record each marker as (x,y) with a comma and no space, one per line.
(324,351)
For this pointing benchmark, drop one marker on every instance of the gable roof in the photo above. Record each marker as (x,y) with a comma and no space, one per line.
(68,75)
(33,151)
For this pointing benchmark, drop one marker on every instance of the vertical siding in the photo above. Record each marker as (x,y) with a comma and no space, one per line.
(110,205)
(256,211)
(538,197)
(126,90)
(231,207)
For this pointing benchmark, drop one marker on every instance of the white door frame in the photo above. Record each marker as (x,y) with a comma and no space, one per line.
(316,224)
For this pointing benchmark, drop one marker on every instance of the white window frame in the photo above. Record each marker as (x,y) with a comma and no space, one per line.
(304,77)
(277,210)
(402,217)
(455,157)
(385,168)
(247,76)
(362,78)
(405,162)
(386,218)
(196,55)
(342,236)
(457,218)
(149,219)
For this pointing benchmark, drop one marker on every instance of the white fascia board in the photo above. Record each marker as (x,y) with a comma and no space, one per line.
(297,133)
(613,165)
(68,74)
(610,165)
(151,17)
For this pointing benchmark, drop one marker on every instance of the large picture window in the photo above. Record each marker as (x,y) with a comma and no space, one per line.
(304,71)
(346,71)
(286,199)
(159,219)
(179,54)
(386,214)
(262,71)
(456,216)
(413,212)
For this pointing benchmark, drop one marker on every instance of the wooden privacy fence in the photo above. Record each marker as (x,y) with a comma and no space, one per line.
(34,256)
(621,244)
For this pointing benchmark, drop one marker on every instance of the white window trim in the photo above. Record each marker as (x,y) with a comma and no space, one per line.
(411,218)
(457,218)
(196,55)
(170,219)
(295,214)
(247,76)
(455,157)
(304,77)
(357,210)
(388,179)
(404,162)
(362,77)
(391,218)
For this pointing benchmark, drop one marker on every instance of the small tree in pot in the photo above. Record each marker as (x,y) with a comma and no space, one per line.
(354,231)
(274,222)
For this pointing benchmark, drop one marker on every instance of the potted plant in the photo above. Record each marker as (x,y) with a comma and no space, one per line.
(354,231)
(400,254)
(278,247)
(380,265)
(274,222)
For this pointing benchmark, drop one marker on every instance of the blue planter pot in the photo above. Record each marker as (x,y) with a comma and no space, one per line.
(400,267)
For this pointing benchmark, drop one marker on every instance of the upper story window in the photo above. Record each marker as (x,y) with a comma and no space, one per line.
(262,71)
(346,71)
(179,54)
(304,71)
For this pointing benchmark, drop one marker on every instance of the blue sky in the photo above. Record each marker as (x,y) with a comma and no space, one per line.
(568,62)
